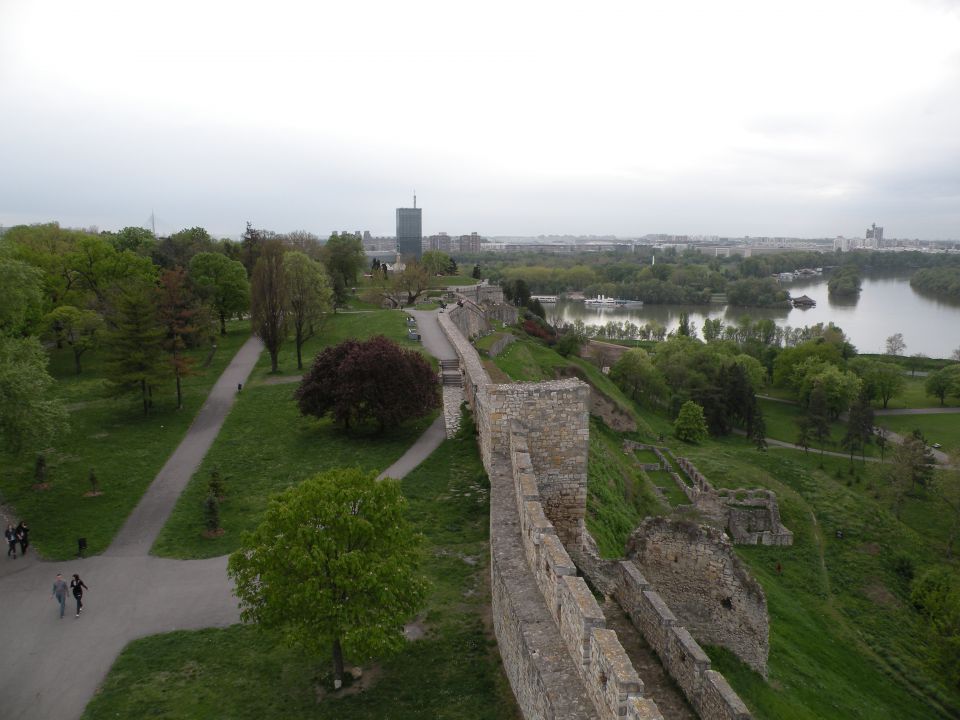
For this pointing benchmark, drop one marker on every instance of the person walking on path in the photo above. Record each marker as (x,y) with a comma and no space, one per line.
(77,586)
(23,535)
(60,592)
(11,536)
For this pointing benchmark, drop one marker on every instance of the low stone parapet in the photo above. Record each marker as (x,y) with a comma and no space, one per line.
(681,655)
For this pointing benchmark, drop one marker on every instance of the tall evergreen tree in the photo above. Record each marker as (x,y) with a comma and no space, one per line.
(182,320)
(135,348)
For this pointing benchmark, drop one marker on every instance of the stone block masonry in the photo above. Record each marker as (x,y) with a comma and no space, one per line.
(695,570)
(707,690)
(561,659)
(534,438)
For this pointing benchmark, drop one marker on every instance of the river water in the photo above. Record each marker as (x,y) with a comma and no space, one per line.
(886,305)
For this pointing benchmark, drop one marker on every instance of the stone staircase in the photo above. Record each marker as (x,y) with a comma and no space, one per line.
(450,373)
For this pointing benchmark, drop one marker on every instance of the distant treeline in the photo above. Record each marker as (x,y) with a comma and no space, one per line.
(940,281)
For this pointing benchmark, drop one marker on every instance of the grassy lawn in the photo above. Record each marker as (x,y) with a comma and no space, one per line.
(943,429)
(845,642)
(661,478)
(646,456)
(914,396)
(781,420)
(486,342)
(265,446)
(339,327)
(113,437)
(452,672)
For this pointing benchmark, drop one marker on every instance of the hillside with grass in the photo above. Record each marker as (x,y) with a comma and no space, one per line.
(846,640)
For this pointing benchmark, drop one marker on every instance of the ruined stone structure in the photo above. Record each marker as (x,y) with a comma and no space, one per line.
(686,662)
(697,573)
(561,659)
(480,304)
(750,516)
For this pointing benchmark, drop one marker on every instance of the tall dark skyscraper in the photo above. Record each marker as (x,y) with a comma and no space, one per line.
(410,231)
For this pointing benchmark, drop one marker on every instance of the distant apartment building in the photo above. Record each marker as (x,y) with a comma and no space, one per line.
(470,243)
(373,243)
(841,243)
(441,242)
(410,231)
(874,237)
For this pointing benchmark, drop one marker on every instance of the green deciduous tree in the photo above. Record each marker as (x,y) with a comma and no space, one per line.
(270,300)
(223,283)
(80,329)
(436,262)
(29,418)
(344,254)
(180,248)
(21,298)
(818,418)
(943,382)
(309,297)
(333,565)
(636,374)
(912,466)
(690,425)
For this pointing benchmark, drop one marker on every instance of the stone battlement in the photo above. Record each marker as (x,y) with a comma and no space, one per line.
(561,659)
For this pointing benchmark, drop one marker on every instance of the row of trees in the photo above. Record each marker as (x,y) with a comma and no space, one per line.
(145,303)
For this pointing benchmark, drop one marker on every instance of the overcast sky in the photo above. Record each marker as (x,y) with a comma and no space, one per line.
(729,118)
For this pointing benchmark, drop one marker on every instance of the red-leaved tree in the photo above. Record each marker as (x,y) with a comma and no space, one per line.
(375,379)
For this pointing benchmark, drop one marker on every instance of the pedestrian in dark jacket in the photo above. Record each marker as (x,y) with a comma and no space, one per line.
(11,535)
(77,587)
(23,535)
(59,592)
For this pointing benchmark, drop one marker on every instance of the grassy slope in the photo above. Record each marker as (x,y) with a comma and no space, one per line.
(266,445)
(453,672)
(844,642)
(619,496)
(112,436)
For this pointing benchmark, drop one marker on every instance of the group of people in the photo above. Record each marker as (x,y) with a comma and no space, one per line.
(17,535)
(77,587)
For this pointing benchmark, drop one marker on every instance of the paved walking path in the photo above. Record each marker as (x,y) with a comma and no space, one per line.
(50,668)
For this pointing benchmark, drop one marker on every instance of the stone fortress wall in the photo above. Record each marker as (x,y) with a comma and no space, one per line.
(561,660)
(697,573)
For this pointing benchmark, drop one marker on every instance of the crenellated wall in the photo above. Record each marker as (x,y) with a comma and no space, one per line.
(561,659)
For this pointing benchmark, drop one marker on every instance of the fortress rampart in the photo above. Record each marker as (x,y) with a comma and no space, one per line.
(561,660)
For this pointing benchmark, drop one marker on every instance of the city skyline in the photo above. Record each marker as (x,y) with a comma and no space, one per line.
(732,120)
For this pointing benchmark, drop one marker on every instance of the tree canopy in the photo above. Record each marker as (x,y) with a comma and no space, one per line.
(334,564)
(309,297)
(29,419)
(374,379)
(223,283)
